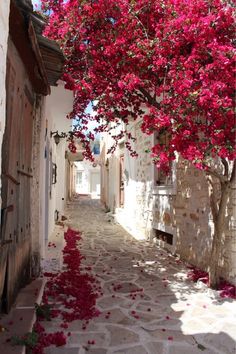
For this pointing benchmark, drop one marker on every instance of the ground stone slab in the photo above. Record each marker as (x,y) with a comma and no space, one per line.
(121,336)
(62,350)
(170,335)
(155,348)
(115,316)
(109,301)
(133,350)
(221,342)
(179,349)
(171,315)
(123,288)
(83,338)
(91,350)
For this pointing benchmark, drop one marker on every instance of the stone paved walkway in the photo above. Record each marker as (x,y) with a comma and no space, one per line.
(171,315)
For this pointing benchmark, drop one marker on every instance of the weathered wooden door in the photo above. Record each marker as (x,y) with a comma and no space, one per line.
(16,175)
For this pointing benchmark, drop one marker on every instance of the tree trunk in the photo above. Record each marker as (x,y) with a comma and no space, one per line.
(217,242)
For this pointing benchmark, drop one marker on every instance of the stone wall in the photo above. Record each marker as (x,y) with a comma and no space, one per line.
(185,212)
(137,211)
(181,209)
(4,19)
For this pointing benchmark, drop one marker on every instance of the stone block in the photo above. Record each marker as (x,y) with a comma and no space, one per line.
(155,347)
(180,349)
(17,323)
(132,350)
(221,342)
(176,336)
(82,338)
(61,350)
(194,217)
(30,294)
(120,336)
(167,218)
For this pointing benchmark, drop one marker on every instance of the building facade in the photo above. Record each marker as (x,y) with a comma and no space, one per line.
(30,68)
(172,211)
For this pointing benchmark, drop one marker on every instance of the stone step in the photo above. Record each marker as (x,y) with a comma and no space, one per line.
(21,318)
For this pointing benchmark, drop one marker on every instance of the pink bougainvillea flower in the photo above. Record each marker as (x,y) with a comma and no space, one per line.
(226,289)
(168,63)
(72,289)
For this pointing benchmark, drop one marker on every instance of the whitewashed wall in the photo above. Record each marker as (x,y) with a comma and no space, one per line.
(182,209)
(4,19)
(138,184)
(58,105)
(110,172)
(87,170)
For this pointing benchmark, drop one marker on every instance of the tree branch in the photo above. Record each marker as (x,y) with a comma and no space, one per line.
(151,100)
(213,199)
(233,173)
(226,166)
(222,178)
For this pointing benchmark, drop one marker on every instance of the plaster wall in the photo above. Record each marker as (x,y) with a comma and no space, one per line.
(137,211)
(4,28)
(181,209)
(87,171)
(58,105)
(110,171)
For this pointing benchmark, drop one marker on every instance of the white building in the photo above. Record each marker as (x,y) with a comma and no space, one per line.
(56,165)
(87,178)
(175,212)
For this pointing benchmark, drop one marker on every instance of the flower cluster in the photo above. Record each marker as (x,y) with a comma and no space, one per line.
(226,289)
(74,290)
(175,58)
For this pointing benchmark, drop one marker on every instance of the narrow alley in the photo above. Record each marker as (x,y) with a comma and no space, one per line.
(148,305)
(117,177)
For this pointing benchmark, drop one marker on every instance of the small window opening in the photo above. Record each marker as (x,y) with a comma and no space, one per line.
(164,236)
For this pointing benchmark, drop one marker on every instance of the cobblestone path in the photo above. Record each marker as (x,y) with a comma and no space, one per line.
(148,306)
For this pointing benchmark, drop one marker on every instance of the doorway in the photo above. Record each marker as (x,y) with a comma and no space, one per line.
(15,241)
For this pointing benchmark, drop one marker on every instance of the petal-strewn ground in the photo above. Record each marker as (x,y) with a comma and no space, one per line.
(147,304)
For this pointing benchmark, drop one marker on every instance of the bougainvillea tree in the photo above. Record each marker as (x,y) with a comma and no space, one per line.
(175,58)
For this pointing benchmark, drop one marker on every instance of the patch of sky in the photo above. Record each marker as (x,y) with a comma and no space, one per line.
(93,123)
(36,4)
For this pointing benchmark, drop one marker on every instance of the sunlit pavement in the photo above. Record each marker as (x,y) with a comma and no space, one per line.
(148,305)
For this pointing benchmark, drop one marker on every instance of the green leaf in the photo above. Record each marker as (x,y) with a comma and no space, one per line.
(29,339)
(43,311)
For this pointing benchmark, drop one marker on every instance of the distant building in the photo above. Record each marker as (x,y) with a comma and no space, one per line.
(87,174)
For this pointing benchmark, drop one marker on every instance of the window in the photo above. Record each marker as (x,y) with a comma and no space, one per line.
(164,236)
